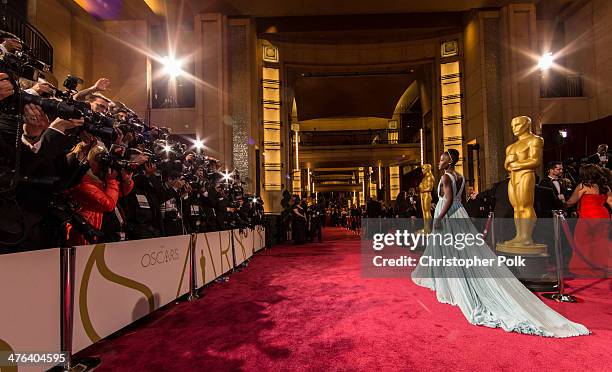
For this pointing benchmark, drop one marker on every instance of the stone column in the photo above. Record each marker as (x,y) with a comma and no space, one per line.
(501,81)
(242,98)
(212,105)
(484,121)
(520,84)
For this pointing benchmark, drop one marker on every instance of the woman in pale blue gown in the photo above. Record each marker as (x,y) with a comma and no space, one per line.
(489,296)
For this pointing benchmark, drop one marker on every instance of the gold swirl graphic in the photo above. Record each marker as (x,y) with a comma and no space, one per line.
(6,348)
(225,252)
(239,239)
(261,237)
(97,257)
(192,241)
(203,260)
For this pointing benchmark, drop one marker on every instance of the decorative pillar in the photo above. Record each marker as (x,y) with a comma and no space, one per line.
(272,118)
(240,97)
(212,103)
(372,183)
(394,182)
(520,84)
(451,95)
(362,191)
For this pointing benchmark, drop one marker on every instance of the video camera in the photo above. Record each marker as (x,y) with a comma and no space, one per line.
(21,64)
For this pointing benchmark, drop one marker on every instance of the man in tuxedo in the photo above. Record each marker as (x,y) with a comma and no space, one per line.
(551,184)
(373,208)
(550,194)
(602,157)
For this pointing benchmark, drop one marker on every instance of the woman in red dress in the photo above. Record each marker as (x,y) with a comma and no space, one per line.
(593,248)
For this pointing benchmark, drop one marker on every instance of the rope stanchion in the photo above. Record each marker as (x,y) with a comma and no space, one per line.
(67,281)
(490,227)
(193,285)
(235,266)
(560,295)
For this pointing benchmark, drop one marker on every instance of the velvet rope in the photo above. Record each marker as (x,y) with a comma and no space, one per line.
(487,227)
(570,238)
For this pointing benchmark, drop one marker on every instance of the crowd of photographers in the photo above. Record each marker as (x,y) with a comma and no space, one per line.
(78,168)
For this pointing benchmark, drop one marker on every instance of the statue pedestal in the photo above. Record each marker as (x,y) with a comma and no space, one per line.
(517,249)
(536,274)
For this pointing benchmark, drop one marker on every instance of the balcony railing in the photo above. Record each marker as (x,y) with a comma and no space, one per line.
(16,24)
(560,85)
(349,137)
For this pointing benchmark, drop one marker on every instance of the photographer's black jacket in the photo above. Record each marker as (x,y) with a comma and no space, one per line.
(41,177)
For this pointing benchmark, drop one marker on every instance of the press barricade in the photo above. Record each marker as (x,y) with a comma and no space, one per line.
(66,299)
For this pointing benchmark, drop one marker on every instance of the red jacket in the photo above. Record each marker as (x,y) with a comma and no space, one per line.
(94,200)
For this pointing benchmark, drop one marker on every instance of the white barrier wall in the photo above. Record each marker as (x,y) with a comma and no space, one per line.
(243,244)
(118,283)
(115,285)
(259,239)
(213,254)
(30,310)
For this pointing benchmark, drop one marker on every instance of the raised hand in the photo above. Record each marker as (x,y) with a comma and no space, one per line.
(43,89)
(12,45)
(63,125)
(101,85)
(35,121)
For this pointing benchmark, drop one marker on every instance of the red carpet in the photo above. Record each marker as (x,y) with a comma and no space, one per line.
(307,308)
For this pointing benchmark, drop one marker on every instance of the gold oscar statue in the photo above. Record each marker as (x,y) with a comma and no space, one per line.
(425,188)
(523,157)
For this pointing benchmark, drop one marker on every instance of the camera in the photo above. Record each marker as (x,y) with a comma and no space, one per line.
(112,161)
(21,64)
(64,212)
(70,83)
(95,123)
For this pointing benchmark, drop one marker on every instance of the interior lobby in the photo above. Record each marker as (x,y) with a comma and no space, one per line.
(326,108)
(323,96)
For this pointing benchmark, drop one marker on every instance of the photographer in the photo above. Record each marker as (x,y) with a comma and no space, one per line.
(59,185)
(209,217)
(173,208)
(143,217)
(97,193)
(196,201)
(220,203)
(31,172)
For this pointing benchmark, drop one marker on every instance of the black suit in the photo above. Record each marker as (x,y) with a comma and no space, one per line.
(547,200)
(144,219)
(373,208)
(41,173)
(547,197)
